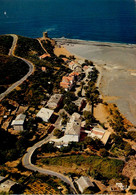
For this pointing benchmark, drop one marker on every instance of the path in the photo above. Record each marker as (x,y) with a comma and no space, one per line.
(42,45)
(30,64)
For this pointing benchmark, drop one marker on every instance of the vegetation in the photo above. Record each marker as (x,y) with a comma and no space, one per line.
(71,108)
(58,133)
(12,69)
(131,135)
(92,94)
(48,46)
(89,118)
(117,123)
(64,119)
(42,184)
(134,181)
(119,146)
(108,168)
(5,44)
(34,90)
(27,47)
(48,148)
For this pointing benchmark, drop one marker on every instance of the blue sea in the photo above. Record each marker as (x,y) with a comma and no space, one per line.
(96,20)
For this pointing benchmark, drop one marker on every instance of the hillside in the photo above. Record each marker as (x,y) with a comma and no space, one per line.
(12,69)
(5,44)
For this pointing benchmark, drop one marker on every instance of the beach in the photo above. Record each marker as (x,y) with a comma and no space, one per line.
(117,64)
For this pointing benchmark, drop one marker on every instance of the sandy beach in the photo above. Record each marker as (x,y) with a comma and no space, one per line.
(117,63)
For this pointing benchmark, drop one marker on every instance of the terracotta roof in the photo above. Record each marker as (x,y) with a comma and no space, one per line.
(65,59)
(43,68)
(71,63)
(44,55)
(74,74)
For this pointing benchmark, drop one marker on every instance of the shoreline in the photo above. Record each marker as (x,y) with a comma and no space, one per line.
(117,63)
(88,42)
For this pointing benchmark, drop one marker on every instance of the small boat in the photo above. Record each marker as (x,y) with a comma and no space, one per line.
(5,13)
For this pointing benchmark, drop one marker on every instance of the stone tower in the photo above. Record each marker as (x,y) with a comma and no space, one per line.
(45,35)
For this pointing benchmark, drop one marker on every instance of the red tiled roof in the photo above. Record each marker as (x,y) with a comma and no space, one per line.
(97,133)
(74,74)
(65,59)
(44,55)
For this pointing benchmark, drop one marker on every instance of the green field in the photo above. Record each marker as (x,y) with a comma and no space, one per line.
(108,168)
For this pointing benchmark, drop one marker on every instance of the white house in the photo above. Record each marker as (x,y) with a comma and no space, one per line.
(73,128)
(54,101)
(18,123)
(45,114)
(72,132)
(84,182)
(6,184)
(99,133)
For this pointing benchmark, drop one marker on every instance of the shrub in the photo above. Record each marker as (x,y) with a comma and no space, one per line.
(134,182)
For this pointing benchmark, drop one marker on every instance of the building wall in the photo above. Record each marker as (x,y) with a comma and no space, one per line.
(70,138)
(18,127)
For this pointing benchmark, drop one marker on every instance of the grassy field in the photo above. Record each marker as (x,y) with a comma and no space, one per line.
(5,44)
(11,69)
(108,168)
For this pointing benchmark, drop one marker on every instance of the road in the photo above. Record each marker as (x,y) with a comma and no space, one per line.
(30,64)
(26,161)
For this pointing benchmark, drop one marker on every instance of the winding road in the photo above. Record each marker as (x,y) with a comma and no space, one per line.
(26,160)
(30,64)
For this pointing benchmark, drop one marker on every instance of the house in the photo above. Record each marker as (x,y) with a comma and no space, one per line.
(18,123)
(65,60)
(45,114)
(73,128)
(72,132)
(43,69)
(55,101)
(81,62)
(71,65)
(78,69)
(100,133)
(118,187)
(44,56)
(80,103)
(97,132)
(6,185)
(75,74)
(83,183)
(67,82)
(121,186)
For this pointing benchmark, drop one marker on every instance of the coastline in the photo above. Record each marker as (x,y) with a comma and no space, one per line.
(117,63)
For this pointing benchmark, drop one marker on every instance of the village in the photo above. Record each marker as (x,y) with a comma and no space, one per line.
(66,116)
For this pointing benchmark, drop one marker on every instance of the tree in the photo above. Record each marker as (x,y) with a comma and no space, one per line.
(71,108)
(48,148)
(58,133)
(92,95)
(89,118)
(69,97)
(103,152)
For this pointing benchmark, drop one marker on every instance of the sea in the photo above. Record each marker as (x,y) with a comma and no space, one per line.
(94,20)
